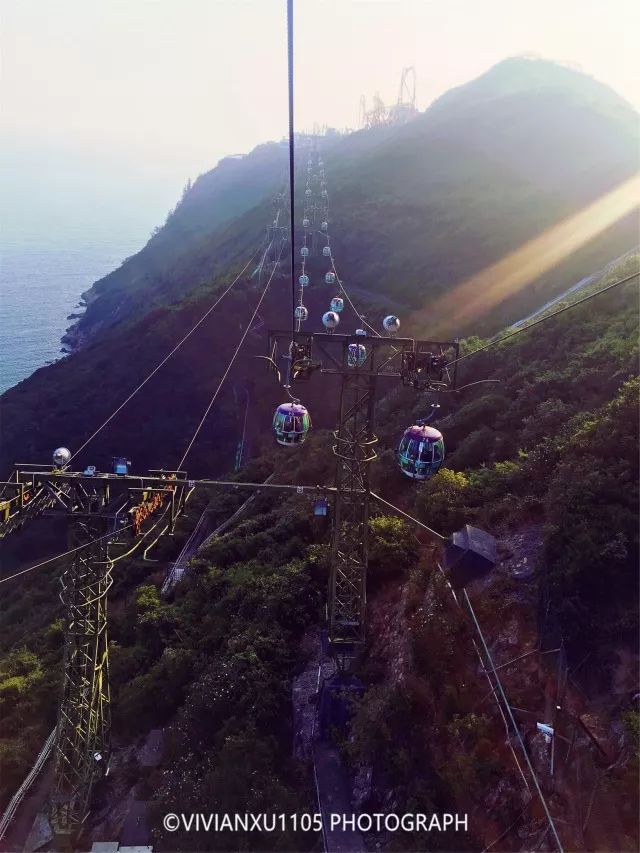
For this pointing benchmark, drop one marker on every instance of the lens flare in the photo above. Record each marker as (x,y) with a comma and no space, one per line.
(478,295)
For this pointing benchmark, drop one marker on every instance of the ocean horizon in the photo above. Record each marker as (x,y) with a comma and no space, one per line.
(64,225)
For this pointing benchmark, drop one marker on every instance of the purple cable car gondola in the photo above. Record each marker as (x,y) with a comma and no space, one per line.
(291,423)
(421,452)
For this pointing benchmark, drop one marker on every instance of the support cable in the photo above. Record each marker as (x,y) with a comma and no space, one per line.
(65,554)
(166,358)
(291,164)
(433,533)
(493,672)
(341,283)
(513,722)
(231,362)
(548,317)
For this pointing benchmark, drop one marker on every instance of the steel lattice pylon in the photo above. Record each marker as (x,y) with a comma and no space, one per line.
(82,733)
(354,450)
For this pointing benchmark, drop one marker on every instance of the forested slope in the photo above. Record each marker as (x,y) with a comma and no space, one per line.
(416,208)
(550,443)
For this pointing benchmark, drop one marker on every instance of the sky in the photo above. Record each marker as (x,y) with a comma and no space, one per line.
(158,90)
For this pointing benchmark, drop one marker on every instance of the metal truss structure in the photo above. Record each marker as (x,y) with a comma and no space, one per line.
(82,732)
(419,364)
(113,515)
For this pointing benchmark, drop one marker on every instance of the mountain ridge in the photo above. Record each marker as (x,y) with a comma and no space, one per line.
(495,171)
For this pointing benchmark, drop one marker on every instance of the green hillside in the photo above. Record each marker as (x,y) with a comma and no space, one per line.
(417,208)
(552,443)
(547,442)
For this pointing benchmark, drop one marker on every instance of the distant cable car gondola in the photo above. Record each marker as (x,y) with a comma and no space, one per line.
(391,324)
(291,423)
(307,193)
(326,251)
(324,226)
(330,320)
(304,252)
(356,355)
(306,223)
(61,458)
(337,304)
(330,278)
(301,313)
(321,507)
(303,280)
(421,451)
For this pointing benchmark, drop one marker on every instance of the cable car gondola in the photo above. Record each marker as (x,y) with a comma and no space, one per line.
(391,324)
(330,320)
(337,304)
(421,451)
(61,458)
(356,355)
(330,278)
(303,280)
(291,423)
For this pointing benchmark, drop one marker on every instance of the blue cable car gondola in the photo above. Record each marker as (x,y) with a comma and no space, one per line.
(326,251)
(337,304)
(291,423)
(356,355)
(321,507)
(304,252)
(303,280)
(421,452)
(330,278)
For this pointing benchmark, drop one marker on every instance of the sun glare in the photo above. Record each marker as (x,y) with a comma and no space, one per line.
(479,294)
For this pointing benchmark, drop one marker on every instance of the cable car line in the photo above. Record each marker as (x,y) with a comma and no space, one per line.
(167,357)
(433,533)
(513,722)
(233,358)
(462,388)
(493,670)
(64,554)
(548,317)
(291,164)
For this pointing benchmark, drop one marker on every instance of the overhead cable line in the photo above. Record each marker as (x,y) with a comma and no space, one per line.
(349,300)
(493,671)
(65,554)
(167,357)
(233,358)
(342,288)
(434,533)
(291,163)
(513,722)
(548,317)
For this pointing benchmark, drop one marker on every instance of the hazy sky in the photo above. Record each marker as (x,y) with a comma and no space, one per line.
(167,87)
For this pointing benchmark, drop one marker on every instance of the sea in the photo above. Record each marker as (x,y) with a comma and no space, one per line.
(62,229)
